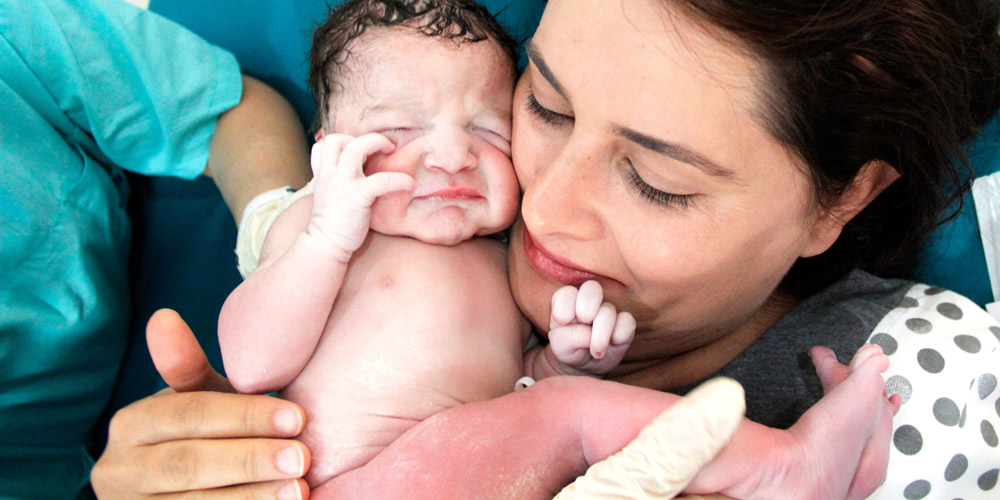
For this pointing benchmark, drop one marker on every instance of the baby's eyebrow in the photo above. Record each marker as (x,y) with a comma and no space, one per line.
(387,106)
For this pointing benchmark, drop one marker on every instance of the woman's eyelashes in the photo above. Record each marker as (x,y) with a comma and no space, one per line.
(651,194)
(545,114)
(647,192)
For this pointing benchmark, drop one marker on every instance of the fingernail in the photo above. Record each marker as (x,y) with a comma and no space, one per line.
(290,491)
(290,461)
(286,420)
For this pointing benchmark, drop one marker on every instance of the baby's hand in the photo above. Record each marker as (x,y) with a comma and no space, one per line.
(343,195)
(587,335)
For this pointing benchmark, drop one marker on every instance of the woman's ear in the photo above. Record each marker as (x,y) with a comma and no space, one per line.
(319,135)
(872,179)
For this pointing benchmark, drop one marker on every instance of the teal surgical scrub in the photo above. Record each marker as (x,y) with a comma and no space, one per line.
(86,88)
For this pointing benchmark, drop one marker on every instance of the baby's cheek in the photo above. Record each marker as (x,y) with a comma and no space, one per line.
(388,213)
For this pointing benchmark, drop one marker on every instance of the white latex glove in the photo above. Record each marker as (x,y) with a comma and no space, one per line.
(669,452)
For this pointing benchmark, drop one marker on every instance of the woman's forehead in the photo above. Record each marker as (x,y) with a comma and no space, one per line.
(641,65)
(644,36)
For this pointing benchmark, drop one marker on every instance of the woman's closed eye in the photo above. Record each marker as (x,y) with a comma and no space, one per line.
(651,194)
(545,114)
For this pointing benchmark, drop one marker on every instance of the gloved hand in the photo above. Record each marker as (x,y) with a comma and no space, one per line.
(670,451)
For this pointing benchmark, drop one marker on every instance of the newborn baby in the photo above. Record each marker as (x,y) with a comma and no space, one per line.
(397,339)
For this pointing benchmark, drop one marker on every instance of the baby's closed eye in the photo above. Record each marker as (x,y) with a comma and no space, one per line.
(401,135)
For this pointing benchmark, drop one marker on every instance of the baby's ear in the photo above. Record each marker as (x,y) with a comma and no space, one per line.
(872,179)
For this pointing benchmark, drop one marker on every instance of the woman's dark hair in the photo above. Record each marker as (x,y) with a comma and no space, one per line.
(462,21)
(905,82)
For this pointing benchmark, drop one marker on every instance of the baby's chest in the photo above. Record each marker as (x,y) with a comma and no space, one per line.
(414,320)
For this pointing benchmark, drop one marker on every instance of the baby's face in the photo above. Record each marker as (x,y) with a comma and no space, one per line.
(447,108)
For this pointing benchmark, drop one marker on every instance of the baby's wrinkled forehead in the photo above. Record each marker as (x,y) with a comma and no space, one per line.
(377,44)
(399,69)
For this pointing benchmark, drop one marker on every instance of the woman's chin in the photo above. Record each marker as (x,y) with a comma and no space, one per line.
(532,291)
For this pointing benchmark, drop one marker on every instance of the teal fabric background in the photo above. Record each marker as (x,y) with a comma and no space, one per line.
(954,257)
(64,139)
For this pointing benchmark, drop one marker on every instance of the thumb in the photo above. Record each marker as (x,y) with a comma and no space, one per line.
(178,356)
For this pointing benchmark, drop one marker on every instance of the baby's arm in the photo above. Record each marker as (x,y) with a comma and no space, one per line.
(587,336)
(270,325)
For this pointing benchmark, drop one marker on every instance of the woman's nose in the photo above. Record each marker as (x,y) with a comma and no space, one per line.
(450,152)
(563,197)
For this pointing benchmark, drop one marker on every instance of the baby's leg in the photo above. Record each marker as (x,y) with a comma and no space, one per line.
(838,449)
(532,443)
(525,445)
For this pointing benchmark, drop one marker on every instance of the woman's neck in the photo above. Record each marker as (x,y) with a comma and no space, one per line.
(702,362)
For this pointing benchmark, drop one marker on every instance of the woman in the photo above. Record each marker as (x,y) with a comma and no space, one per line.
(721,168)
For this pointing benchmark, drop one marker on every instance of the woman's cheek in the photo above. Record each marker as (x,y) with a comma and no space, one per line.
(522,161)
(524,146)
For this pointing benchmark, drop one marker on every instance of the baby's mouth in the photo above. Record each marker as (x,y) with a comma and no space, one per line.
(452,194)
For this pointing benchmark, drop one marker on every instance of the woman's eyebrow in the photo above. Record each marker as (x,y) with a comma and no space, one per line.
(536,58)
(666,148)
(677,152)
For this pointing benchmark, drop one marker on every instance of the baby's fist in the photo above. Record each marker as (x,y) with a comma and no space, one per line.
(587,334)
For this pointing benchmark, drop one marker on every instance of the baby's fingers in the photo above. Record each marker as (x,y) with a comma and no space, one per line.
(624,329)
(381,183)
(831,372)
(570,344)
(563,307)
(352,157)
(326,152)
(588,301)
(602,329)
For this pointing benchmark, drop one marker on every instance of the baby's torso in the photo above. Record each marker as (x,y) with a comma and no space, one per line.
(416,329)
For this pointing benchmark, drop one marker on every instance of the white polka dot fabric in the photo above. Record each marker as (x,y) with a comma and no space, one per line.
(944,356)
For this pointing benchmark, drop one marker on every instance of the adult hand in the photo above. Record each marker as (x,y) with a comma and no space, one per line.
(199,435)
(670,451)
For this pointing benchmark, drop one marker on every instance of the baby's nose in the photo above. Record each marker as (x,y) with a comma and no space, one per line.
(451,153)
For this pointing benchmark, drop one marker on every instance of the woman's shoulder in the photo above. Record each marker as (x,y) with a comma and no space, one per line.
(944,353)
(841,317)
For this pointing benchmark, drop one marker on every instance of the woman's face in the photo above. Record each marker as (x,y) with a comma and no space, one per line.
(644,164)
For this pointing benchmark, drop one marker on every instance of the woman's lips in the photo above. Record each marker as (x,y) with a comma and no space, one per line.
(551,266)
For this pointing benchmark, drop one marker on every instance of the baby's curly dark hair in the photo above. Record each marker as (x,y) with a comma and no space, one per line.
(462,21)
